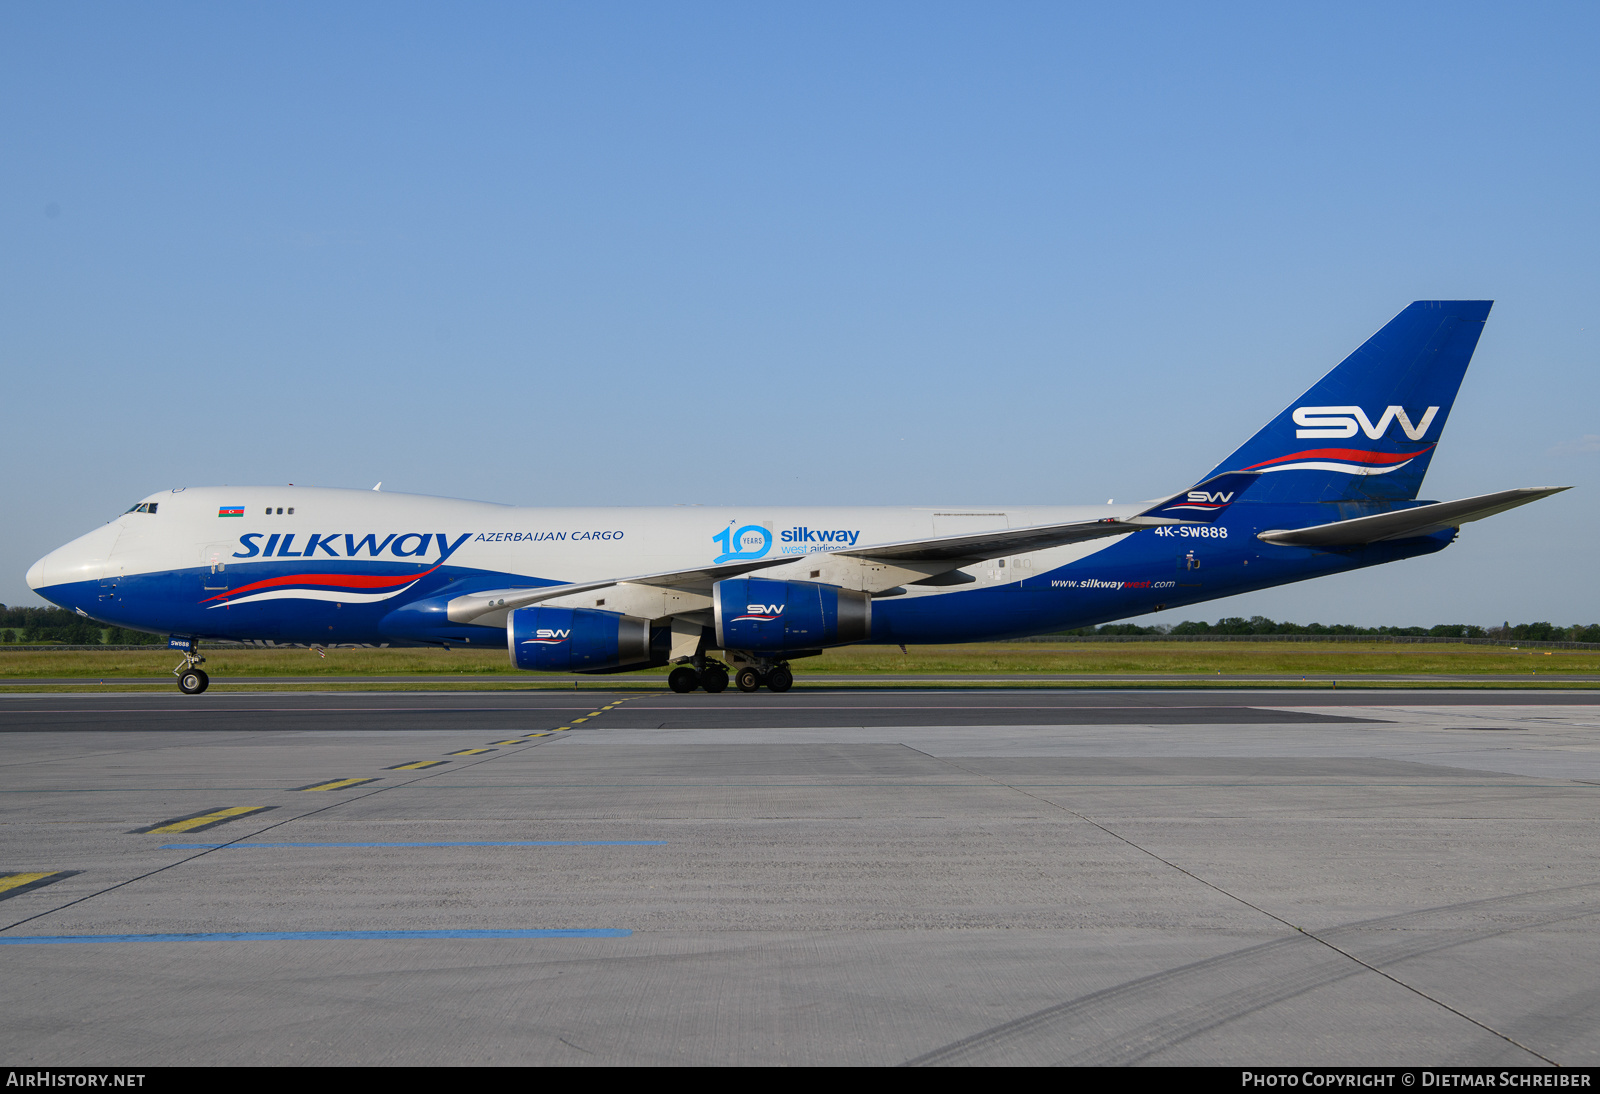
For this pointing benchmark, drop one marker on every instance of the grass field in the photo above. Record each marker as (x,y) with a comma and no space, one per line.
(1318,661)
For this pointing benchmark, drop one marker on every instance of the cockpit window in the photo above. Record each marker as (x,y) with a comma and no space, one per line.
(144,507)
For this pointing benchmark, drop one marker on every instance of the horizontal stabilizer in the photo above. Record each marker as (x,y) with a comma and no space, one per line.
(1408,523)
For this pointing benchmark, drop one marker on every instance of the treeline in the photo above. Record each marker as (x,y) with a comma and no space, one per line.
(1260,624)
(35,626)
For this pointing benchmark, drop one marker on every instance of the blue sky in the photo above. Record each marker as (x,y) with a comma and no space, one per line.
(825,253)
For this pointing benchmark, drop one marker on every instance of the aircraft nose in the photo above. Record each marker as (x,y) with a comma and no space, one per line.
(83,559)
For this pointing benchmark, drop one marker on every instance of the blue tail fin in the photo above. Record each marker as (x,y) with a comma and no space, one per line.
(1366,431)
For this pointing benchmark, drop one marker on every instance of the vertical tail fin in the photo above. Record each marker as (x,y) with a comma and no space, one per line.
(1367,430)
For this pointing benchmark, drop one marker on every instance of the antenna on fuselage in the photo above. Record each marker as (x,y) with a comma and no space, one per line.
(379,486)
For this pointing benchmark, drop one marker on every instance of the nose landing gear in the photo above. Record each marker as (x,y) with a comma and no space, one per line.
(192,679)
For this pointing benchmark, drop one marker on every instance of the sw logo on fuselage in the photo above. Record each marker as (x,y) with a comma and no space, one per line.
(1344,421)
(1206,496)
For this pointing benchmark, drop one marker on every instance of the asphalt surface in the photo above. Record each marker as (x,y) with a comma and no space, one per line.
(821,877)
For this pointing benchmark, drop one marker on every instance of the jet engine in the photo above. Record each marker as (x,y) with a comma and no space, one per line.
(757,613)
(576,640)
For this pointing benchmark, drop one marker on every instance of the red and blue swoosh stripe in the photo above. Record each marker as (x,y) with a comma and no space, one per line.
(347,588)
(1352,461)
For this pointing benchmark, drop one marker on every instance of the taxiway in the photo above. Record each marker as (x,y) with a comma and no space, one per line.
(828,876)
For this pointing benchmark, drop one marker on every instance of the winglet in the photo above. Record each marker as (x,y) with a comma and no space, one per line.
(1204,502)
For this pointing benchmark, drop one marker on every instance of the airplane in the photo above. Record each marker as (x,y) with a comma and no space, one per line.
(1327,486)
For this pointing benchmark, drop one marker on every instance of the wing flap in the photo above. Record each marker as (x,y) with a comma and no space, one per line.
(1407,523)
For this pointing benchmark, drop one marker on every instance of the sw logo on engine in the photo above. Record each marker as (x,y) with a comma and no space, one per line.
(1343,421)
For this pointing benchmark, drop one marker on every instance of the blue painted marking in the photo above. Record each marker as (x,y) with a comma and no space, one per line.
(313,936)
(461,843)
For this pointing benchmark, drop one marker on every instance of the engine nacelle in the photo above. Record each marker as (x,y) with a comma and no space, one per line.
(576,639)
(758,613)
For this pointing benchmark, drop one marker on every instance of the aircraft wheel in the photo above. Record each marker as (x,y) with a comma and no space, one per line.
(714,679)
(683,679)
(193,681)
(780,679)
(748,680)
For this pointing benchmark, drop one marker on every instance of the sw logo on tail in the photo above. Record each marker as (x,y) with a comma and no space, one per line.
(1342,421)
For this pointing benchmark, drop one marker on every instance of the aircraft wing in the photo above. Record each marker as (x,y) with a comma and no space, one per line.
(1407,523)
(952,550)
(1202,504)
(1004,541)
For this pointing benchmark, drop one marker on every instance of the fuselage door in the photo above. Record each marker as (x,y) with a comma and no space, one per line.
(214,569)
(111,572)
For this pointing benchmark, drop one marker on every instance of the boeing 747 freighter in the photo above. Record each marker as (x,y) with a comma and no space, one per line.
(1328,485)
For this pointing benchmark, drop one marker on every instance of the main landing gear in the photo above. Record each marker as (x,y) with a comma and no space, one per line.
(685,678)
(713,677)
(776,678)
(192,679)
